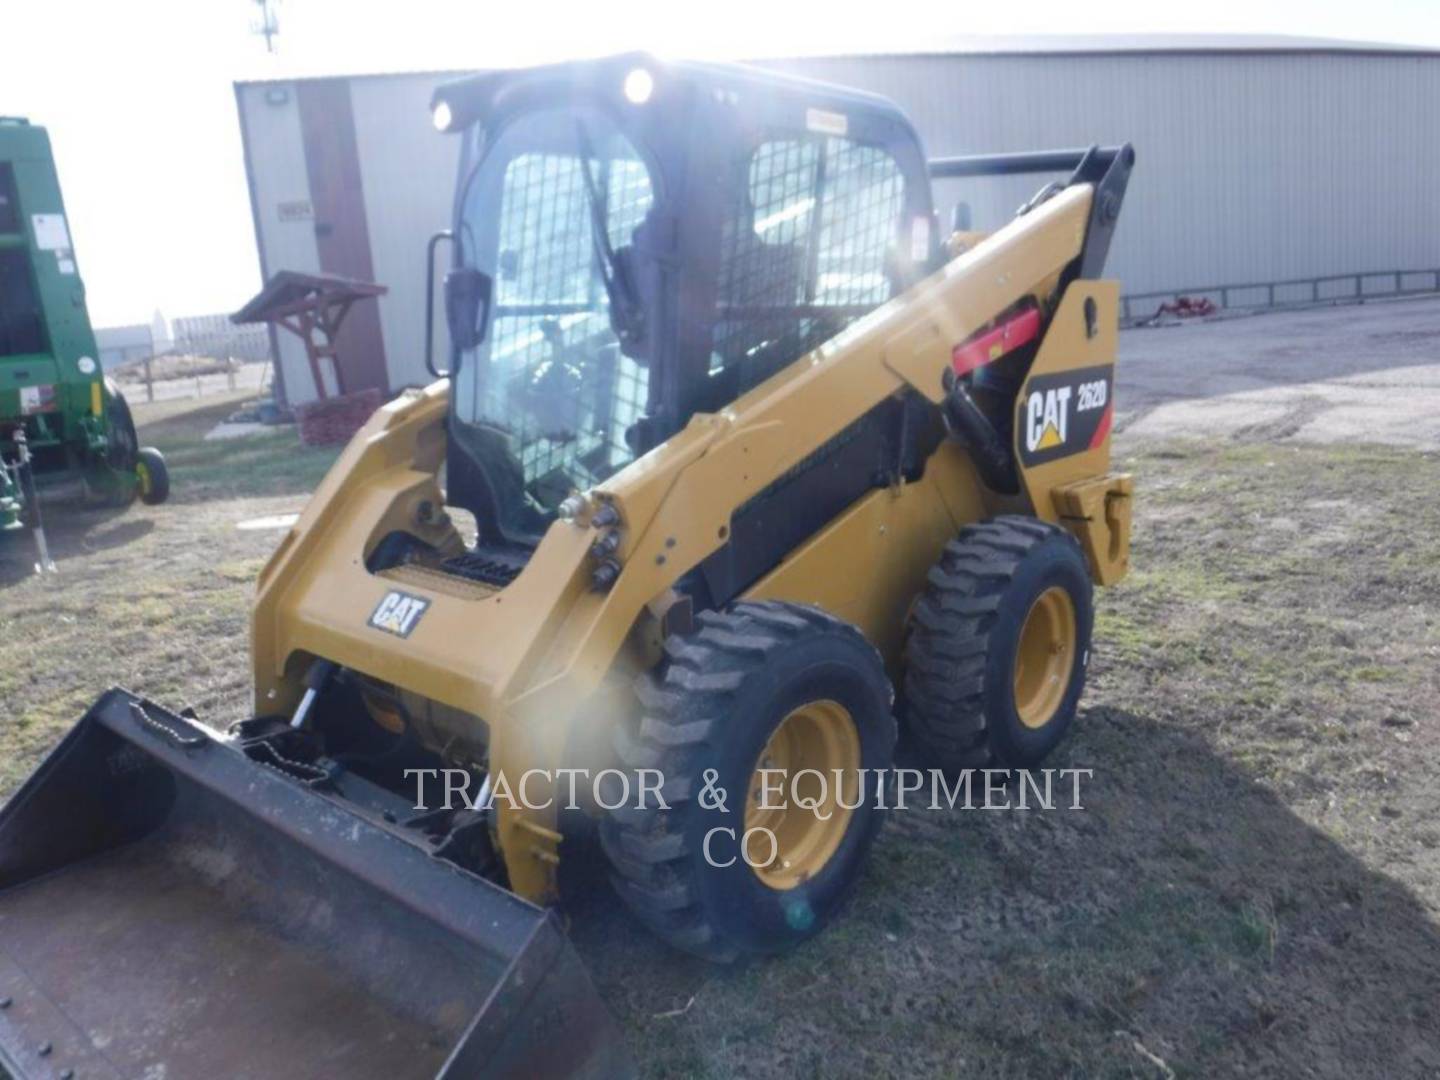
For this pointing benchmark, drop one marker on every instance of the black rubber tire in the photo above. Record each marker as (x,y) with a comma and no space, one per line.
(123,447)
(159,487)
(713,704)
(959,688)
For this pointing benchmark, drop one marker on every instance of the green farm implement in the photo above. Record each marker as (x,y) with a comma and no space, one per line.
(60,418)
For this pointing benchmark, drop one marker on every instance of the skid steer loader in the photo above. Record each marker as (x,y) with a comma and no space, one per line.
(740,459)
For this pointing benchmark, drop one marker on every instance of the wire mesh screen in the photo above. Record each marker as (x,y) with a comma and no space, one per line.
(859,221)
(804,251)
(553,377)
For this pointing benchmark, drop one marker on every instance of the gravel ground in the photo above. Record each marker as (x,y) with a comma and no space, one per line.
(1366,372)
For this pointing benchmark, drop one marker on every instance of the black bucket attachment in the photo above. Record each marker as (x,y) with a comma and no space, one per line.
(170,908)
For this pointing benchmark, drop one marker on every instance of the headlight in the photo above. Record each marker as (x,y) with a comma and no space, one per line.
(86,365)
(639,85)
(442,117)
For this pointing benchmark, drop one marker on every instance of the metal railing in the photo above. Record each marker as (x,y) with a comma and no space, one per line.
(1297,292)
(215,335)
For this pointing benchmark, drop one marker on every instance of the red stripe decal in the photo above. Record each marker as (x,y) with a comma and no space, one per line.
(1103,431)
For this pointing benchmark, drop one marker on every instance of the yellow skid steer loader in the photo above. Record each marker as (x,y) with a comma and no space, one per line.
(735,460)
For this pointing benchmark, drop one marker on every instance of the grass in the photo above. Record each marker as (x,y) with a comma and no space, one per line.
(230,468)
(1250,891)
(152,598)
(1241,896)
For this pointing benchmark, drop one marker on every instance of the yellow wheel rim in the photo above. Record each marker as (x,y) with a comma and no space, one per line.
(1045,657)
(142,473)
(819,736)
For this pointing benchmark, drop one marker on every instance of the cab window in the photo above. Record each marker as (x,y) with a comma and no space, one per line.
(805,251)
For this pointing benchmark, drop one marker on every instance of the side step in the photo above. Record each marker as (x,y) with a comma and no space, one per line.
(169,907)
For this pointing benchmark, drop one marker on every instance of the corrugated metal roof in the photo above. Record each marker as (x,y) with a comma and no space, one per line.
(1111,44)
(1019,45)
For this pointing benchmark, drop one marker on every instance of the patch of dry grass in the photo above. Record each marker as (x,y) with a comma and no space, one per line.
(152,598)
(1253,885)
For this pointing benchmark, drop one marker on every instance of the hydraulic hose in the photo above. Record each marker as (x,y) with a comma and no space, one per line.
(968,423)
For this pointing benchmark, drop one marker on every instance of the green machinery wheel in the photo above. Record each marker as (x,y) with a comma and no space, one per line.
(122,444)
(114,476)
(152,477)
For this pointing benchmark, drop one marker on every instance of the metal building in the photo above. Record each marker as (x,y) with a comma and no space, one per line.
(119,345)
(1264,164)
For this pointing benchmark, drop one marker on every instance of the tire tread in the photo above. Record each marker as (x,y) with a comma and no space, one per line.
(685,704)
(950,636)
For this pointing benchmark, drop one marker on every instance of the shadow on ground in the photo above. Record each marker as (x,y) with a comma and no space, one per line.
(71,528)
(266,465)
(1185,923)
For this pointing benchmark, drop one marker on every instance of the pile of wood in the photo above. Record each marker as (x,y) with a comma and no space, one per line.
(173,366)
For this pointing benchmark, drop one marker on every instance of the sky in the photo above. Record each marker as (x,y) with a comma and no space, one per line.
(139,101)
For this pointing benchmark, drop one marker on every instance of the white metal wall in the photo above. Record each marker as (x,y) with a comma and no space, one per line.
(409,172)
(1250,167)
(279,178)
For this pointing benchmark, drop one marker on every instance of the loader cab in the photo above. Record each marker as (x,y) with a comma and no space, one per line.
(638,241)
